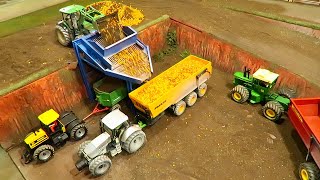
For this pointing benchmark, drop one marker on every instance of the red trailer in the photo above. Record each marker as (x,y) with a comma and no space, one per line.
(304,114)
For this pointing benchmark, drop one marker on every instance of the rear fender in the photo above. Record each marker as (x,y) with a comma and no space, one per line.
(129,131)
(283,101)
(255,97)
(69,120)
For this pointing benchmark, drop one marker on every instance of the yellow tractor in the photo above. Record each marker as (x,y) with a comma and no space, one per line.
(54,132)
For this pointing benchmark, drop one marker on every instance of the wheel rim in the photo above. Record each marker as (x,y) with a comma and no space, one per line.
(237,96)
(80,132)
(304,174)
(45,155)
(136,143)
(203,90)
(102,168)
(181,109)
(193,100)
(270,113)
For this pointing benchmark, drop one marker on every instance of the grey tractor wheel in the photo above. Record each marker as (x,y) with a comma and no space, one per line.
(43,153)
(309,171)
(82,146)
(202,89)
(179,108)
(78,132)
(287,93)
(100,165)
(272,110)
(115,107)
(63,36)
(240,94)
(135,141)
(191,99)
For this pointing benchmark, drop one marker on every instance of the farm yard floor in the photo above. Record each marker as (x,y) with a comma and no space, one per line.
(215,139)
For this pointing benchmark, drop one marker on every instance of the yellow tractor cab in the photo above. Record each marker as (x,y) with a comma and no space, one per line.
(54,132)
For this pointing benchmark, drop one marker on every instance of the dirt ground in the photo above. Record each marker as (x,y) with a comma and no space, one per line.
(35,49)
(215,139)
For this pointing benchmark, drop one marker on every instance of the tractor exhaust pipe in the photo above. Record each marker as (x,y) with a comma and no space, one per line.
(81,164)
(246,72)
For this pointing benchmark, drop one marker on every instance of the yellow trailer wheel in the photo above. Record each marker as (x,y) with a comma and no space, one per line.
(191,99)
(202,89)
(179,108)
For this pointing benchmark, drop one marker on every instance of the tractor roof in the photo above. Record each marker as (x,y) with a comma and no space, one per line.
(114,119)
(265,75)
(71,9)
(48,117)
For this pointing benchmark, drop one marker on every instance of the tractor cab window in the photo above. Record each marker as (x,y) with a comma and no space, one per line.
(53,127)
(66,17)
(263,83)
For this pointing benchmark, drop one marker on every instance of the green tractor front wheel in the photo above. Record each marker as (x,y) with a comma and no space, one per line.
(272,110)
(240,94)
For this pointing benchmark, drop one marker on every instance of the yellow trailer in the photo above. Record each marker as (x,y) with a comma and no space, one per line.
(177,87)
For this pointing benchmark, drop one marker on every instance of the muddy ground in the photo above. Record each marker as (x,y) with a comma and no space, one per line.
(215,139)
(32,50)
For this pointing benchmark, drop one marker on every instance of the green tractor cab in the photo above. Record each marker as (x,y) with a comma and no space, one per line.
(77,21)
(258,88)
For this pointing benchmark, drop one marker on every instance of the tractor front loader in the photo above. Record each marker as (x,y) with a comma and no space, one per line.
(257,88)
(117,134)
(54,132)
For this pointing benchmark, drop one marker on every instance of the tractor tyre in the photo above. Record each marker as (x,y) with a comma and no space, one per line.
(82,146)
(287,93)
(100,165)
(135,141)
(309,171)
(43,153)
(179,108)
(202,89)
(116,106)
(78,132)
(191,99)
(240,94)
(272,110)
(63,35)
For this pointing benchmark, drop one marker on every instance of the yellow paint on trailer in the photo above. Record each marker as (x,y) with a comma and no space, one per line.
(158,94)
(35,138)
(48,117)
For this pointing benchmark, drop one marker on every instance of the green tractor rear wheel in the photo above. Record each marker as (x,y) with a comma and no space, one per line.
(240,94)
(272,110)
(287,93)
(309,171)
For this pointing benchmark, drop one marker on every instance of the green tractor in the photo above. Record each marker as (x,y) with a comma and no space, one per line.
(258,89)
(76,22)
